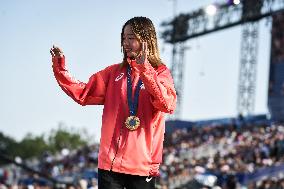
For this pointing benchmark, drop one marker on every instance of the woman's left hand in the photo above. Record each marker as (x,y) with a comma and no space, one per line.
(142,57)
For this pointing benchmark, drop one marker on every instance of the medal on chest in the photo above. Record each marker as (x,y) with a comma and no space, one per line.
(132,122)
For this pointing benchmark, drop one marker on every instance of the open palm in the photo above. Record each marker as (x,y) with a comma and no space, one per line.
(142,57)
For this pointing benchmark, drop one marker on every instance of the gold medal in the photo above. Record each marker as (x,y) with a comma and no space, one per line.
(132,123)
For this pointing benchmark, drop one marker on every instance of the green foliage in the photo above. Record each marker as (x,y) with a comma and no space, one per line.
(8,146)
(34,146)
(66,138)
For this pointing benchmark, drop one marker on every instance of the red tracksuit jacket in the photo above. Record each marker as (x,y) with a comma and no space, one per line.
(137,152)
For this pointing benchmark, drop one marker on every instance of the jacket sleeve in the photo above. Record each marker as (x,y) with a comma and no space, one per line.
(159,84)
(90,93)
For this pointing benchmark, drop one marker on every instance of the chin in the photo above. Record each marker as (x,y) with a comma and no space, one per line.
(131,55)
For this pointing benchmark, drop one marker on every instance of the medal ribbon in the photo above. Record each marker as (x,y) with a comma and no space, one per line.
(132,104)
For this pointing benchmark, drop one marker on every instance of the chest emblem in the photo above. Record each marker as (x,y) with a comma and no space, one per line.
(119,76)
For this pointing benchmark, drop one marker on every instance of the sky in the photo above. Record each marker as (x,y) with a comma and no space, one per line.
(88,31)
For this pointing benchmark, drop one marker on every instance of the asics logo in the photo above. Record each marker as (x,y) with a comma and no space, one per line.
(119,76)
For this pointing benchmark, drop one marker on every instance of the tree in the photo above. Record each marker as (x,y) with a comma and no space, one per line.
(69,138)
(8,146)
(32,146)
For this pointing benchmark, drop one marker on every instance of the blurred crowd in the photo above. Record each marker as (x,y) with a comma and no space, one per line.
(225,152)
(73,169)
(216,156)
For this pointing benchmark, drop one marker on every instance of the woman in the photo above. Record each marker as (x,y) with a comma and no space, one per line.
(136,94)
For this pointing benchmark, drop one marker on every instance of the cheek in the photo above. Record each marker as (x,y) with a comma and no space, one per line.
(136,46)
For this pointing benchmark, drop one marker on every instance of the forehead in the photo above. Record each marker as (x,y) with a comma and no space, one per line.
(127,30)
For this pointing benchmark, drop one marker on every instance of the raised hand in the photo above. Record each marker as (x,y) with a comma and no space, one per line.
(56,52)
(142,57)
